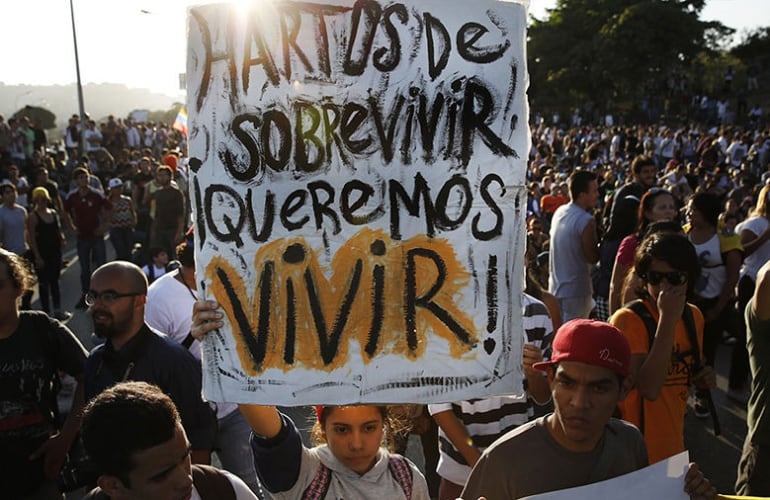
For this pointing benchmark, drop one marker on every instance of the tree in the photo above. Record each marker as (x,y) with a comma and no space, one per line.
(166,116)
(755,47)
(600,50)
(47,119)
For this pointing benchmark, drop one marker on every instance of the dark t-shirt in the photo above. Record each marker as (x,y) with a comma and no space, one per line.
(528,461)
(86,209)
(169,207)
(156,359)
(758,345)
(29,363)
(139,180)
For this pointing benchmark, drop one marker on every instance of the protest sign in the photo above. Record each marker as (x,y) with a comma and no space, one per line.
(357,189)
(664,479)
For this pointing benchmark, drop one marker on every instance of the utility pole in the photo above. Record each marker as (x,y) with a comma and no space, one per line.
(81,106)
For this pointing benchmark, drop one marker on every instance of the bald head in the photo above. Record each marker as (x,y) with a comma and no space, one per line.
(125,272)
(116,301)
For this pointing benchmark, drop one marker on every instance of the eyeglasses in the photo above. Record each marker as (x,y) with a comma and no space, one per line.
(675,278)
(654,191)
(108,298)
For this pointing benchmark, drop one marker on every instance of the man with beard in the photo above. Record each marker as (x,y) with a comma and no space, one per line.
(644,177)
(134,351)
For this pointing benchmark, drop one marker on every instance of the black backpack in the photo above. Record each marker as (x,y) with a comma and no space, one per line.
(638,307)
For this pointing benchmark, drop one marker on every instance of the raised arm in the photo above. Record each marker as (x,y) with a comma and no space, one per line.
(264,421)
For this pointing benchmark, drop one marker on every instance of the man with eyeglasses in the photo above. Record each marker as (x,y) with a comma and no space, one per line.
(133,351)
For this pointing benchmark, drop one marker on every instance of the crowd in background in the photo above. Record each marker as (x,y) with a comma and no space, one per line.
(624,184)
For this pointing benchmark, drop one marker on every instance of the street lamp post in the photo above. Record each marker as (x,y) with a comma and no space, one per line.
(81,106)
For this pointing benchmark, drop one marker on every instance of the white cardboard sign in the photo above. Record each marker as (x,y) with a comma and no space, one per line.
(357,189)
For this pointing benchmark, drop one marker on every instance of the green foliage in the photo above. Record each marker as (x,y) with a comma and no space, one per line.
(619,50)
(46,118)
(166,116)
(754,47)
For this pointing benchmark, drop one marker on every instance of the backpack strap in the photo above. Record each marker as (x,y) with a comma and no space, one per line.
(397,465)
(401,471)
(318,487)
(211,483)
(692,334)
(638,307)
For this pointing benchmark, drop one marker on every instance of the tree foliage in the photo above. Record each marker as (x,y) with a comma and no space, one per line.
(34,113)
(600,50)
(166,116)
(755,47)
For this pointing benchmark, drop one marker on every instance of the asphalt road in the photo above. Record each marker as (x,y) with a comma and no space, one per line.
(717,455)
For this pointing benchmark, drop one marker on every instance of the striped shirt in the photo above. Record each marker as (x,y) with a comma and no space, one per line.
(487,419)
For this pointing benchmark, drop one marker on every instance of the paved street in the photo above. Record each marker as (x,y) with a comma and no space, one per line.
(717,456)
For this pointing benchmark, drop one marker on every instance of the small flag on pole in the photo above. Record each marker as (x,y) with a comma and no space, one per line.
(180,123)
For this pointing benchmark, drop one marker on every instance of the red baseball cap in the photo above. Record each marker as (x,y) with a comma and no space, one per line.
(592,342)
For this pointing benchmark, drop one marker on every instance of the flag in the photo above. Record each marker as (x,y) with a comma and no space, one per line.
(180,123)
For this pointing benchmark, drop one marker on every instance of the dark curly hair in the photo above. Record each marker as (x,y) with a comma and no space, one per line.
(673,249)
(123,420)
(17,270)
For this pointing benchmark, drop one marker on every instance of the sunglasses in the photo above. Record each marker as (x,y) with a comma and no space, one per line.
(675,278)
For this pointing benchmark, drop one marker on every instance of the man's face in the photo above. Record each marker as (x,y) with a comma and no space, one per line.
(584,399)
(163,177)
(161,473)
(112,318)
(592,195)
(81,180)
(9,197)
(647,175)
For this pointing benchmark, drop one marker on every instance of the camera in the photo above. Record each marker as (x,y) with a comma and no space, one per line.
(76,474)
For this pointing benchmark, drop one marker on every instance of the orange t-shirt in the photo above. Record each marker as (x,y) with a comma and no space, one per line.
(663,418)
(549,203)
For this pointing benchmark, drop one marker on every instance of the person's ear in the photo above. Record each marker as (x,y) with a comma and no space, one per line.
(112,486)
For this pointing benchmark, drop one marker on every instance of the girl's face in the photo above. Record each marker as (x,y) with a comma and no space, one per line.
(40,201)
(663,208)
(661,276)
(354,434)
(694,216)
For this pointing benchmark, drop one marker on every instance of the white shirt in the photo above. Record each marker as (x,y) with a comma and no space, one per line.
(169,310)
(753,262)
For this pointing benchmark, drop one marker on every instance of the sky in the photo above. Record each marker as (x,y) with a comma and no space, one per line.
(142,43)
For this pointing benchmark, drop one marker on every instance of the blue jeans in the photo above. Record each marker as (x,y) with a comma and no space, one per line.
(90,249)
(234,451)
(122,239)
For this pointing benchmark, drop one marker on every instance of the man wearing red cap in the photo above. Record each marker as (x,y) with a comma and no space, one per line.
(579,443)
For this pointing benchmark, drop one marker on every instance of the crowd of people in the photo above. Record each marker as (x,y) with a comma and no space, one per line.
(647,251)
